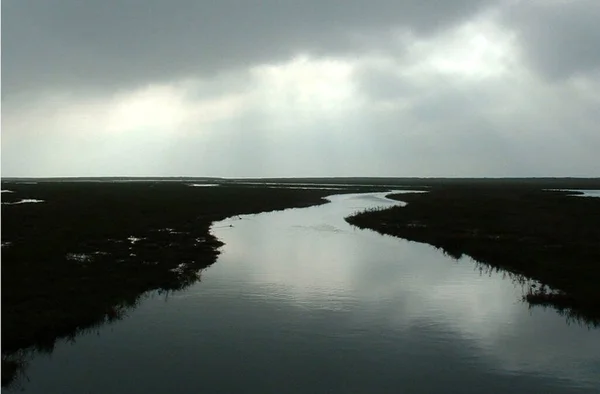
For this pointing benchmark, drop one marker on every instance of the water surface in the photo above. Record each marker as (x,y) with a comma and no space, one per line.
(582,192)
(24,201)
(301,302)
(589,193)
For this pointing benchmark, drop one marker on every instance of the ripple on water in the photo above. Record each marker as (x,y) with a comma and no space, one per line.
(294,311)
(24,201)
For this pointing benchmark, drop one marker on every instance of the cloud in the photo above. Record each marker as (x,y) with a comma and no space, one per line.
(312,116)
(122,44)
(225,89)
(559,37)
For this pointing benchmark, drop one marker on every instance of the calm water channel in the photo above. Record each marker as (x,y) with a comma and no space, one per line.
(301,302)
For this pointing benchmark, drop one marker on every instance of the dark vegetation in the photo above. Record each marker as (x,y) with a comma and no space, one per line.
(407,182)
(539,183)
(85,255)
(550,237)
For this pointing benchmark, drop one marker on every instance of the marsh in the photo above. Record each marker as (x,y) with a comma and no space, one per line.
(300,301)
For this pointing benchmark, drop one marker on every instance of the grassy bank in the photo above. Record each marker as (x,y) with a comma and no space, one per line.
(85,255)
(548,236)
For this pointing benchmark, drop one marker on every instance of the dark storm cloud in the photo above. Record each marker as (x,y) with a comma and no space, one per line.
(559,38)
(68,43)
(412,87)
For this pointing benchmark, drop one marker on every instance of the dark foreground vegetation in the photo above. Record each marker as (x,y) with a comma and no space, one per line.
(86,254)
(550,237)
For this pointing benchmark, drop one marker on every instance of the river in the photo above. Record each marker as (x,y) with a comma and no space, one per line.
(301,302)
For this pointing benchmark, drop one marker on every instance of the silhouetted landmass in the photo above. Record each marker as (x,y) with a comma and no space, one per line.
(85,255)
(113,179)
(552,237)
(540,183)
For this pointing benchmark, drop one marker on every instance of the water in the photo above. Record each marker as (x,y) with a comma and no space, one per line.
(585,193)
(300,302)
(23,201)
(589,193)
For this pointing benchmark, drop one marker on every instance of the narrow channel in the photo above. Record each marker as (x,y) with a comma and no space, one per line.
(301,302)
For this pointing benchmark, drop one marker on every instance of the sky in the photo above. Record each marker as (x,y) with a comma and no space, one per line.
(282,88)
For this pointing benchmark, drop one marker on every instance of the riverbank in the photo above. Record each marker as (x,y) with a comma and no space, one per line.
(551,237)
(84,252)
(84,255)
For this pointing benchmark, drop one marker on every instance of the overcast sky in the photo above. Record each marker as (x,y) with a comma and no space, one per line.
(301,88)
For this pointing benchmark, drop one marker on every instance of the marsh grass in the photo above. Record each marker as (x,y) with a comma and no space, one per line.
(13,368)
(50,291)
(85,256)
(550,237)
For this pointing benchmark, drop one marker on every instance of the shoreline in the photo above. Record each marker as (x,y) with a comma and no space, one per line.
(100,247)
(549,237)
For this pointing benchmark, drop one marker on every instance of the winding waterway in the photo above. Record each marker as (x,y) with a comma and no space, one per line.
(301,302)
